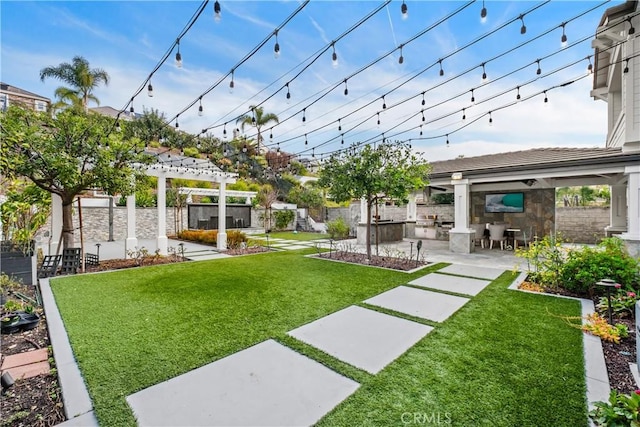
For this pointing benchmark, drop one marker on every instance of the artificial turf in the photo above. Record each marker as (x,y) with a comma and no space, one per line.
(503,359)
(289,235)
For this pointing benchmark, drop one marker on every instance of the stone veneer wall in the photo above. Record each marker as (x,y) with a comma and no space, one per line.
(539,212)
(95,221)
(582,224)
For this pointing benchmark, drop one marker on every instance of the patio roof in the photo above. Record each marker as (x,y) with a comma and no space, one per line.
(550,167)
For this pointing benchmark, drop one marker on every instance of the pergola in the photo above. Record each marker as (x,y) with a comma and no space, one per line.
(167,165)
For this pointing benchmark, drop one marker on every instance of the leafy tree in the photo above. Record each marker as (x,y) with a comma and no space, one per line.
(68,154)
(306,197)
(82,79)
(266,197)
(149,127)
(373,173)
(258,119)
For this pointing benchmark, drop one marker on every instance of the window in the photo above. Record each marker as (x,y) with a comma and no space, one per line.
(41,106)
(4,101)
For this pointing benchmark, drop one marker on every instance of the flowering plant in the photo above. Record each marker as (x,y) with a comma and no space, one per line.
(621,410)
(622,303)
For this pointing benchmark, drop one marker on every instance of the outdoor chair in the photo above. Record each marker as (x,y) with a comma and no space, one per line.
(480,236)
(496,234)
(525,238)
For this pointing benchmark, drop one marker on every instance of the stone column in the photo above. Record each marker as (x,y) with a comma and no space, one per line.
(162,241)
(363,211)
(632,236)
(412,207)
(222,215)
(617,210)
(461,237)
(131,243)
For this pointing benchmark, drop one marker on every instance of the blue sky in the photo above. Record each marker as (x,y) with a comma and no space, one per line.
(128,38)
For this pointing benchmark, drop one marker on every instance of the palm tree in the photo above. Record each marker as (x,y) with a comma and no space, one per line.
(82,81)
(258,119)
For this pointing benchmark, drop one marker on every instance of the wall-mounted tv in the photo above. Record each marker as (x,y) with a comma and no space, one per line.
(504,202)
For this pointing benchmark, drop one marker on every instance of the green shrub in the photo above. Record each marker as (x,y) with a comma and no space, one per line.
(608,260)
(210,237)
(545,260)
(338,229)
(621,410)
(283,218)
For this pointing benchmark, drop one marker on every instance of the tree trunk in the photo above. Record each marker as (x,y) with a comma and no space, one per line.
(368,239)
(67,224)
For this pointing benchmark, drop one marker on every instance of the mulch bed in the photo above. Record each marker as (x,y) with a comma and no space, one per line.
(402,264)
(35,401)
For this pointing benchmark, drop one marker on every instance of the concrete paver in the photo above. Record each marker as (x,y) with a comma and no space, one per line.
(265,385)
(28,371)
(473,271)
(363,338)
(444,282)
(419,303)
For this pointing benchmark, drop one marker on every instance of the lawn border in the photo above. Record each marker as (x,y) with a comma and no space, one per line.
(78,406)
(595,368)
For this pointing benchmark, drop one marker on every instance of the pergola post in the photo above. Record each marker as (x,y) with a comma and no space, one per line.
(617,210)
(461,237)
(162,240)
(131,242)
(222,215)
(56,223)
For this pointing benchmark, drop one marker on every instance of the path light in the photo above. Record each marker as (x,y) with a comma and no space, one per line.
(608,284)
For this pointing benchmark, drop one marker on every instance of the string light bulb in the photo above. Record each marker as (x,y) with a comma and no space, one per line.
(423,100)
(632,30)
(339,125)
(178,55)
(490,119)
(422,112)
(334,56)
(384,103)
(288,94)
(420,129)
(306,142)
(447,140)
(518,94)
(224,131)
(546,99)
(401,59)
(346,89)
(342,138)
(464,114)
(276,47)
(523,28)
(539,70)
(626,66)
(177,124)
(217,11)
(200,109)
(231,83)
(150,90)
(378,114)
(441,70)
(473,98)
(590,66)
(304,116)
(404,10)
(484,72)
(563,39)
(118,128)
(483,13)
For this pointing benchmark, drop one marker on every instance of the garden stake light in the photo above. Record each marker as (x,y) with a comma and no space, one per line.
(608,284)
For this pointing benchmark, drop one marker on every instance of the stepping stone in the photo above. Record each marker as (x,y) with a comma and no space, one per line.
(25,358)
(363,338)
(444,282)
(267,384)
(30,370)
(473,271)
(294,247)
(415,302)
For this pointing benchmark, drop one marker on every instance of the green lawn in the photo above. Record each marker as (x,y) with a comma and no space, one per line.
(290,235)
(504,359)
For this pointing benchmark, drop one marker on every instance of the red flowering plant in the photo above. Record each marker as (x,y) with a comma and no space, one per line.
(622,302)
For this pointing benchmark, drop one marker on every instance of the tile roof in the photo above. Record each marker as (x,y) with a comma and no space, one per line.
(530,159)
(4,87)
